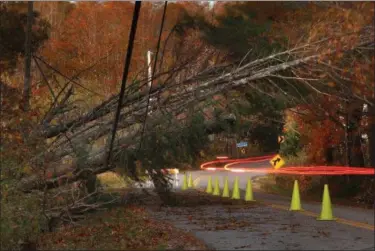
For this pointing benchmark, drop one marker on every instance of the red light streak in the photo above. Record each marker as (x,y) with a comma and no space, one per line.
(315,170)
(326,170)
(222,157)
(294,170)
(207,165)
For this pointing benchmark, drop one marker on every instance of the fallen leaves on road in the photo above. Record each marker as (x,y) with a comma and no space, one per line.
(193,198)
(324,233)
(190,207)
(246,246)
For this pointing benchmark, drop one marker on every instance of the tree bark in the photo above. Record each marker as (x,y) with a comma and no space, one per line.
(372,135)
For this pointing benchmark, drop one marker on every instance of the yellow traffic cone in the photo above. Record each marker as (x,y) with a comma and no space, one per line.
(185,183)
(326,213)
(295,204)
(217,188)
(236,190)
(249,191)
(226,188)
(209,185)
(190,182)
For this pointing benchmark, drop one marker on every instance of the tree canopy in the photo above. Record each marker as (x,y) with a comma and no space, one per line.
(250,70)
(12,33)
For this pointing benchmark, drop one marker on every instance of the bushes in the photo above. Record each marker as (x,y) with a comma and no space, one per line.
(368,194)
(291,145)
(254,150)
(300,159)
(21,214)
(294,155)
(307,184)
(21,220)
(111,180)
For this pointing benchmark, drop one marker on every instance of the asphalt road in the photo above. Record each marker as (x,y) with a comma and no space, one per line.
(276,227)
(264,228)
(201,180)
(273,226)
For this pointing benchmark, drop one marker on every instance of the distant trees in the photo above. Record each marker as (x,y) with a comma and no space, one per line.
(322,87)
(13,19)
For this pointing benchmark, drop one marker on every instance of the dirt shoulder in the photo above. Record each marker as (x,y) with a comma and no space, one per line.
(121,228)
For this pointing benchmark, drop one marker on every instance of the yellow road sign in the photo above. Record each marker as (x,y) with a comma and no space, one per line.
(280,139)
(277,162)
(243,151)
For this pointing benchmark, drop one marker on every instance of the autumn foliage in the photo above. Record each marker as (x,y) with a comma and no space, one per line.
(345,76)
(98,33)
(82,47)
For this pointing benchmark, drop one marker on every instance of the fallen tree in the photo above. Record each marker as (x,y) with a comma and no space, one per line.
(173,98)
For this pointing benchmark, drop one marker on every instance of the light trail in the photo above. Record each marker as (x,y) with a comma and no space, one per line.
(293,170)
(208,165)
(326,170)
(315,170)
(222,157)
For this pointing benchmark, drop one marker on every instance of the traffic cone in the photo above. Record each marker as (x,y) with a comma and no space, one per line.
(190,182)
(217,188)
(209,185)
(226,188)
(326,213)
(249,191)
(236,190)
(295,204)
(185,183)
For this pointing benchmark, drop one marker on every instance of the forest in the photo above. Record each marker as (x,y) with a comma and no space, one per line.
(233,70)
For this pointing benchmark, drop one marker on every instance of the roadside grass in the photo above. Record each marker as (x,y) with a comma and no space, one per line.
(314,193)
(268,184)
(112,180)
(119,227)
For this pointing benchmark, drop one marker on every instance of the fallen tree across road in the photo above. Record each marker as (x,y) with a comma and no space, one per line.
(179,96)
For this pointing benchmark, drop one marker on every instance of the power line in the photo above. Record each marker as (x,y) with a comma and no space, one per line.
(132,33)
(153,74)
(71,79)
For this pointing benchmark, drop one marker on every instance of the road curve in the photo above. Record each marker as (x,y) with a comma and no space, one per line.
(271,219)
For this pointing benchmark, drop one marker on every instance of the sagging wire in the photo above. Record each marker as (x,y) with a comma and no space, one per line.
(132,33)
(152,76)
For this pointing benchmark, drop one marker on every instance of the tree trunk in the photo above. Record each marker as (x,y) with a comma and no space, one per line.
(372,135)
(355,136)
(347,137)
(162,188)
(27,80)
(357,157)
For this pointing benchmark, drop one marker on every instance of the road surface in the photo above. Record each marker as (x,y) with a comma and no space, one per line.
(269,225)
(265,228)
(348,213)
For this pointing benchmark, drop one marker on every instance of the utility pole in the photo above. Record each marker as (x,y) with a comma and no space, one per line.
(149,75)
(149,68)
(371,135)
